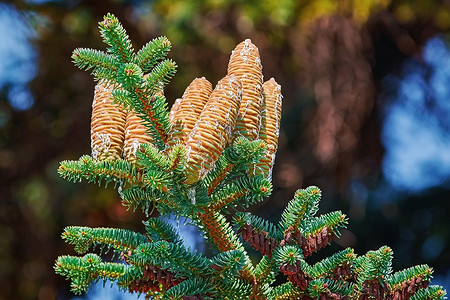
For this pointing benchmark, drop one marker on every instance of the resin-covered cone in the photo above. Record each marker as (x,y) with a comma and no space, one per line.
(107,124)
(213,129)
(245,64)
(135,135)
(270,126)
(174,109)
(191,105)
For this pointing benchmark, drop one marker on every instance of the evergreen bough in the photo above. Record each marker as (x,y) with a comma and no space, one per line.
(156,263)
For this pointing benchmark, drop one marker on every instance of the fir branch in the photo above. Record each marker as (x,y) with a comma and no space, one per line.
(229,263)
(375,264)
(152,52)
(115,36)
(85,237)
(233,160)
(169,255)
(243,191)
(152,109)
(84,270)
(87,59)
(158,180)
(261,234)
(177,159)
(158,229)
(130,76)
(218,230)
(430,293)
(284,291)
(152,158)
(117,171)
(259,224)
(136,196)
(266,270)
(150,280)
(338,265)
(331,221)
(160,75)
(330,288)
(300,209)
(288,255)
(317,233)
(190,287)
(232,289)
(422,271)
(409,281)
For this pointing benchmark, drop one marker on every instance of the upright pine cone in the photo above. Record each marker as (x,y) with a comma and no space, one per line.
(135,135)
(245,64)
(270,126)
(176,130)
(107,124)
(174,109)
(191,105)
(213,129)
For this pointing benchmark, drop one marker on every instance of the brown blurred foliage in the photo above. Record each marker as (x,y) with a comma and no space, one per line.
(328,56)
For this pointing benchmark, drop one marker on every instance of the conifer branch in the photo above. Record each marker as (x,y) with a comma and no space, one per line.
(171,256)
(229,263)
(233,161)
(117,171)
(116,37)
(284,291)
(136,196)
(160,75)
(88,59)
(152,52)
(431,292)
(214,152)
(85,237)
(300,209)
(189,287)
(157,229)
(218,230)
(340,265)
(243,191)
(84,270)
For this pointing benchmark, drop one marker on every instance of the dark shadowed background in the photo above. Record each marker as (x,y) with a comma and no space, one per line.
(366,117)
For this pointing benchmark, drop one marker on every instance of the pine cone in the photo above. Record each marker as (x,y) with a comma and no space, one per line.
(135,135)
(174,109)
(107,124)
(270,126)
(191,105)
(245,64)
(212,131)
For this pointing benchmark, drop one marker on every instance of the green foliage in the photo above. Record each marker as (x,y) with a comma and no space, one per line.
(85,237)
(84,270)
(189,287)
(157,264)
(302,208)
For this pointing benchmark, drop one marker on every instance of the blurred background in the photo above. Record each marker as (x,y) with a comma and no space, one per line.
(366,117)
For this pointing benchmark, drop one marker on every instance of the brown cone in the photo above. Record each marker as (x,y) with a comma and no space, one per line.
(107,124)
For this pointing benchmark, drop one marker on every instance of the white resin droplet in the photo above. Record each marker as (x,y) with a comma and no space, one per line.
(191,196)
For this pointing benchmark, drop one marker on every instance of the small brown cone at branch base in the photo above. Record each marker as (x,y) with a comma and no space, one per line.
(245,64)
(191,105)
(270,126)
(212,131)
(107,124)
